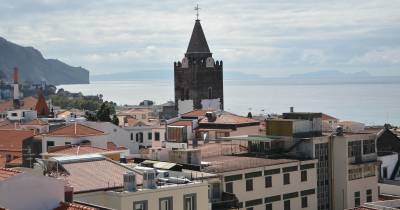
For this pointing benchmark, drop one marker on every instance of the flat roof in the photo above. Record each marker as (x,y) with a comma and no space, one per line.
(221,164)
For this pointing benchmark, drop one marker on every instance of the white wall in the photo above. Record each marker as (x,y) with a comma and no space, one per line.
(141,129)
(25,191)
(96,141)
(115,134)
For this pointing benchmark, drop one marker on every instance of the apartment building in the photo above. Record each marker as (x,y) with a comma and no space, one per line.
(347,162)
(266,183)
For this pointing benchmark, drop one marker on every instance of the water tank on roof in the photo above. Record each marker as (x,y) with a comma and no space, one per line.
(149,178)
(130,181)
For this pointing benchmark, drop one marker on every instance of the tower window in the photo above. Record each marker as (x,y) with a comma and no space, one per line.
(210,93)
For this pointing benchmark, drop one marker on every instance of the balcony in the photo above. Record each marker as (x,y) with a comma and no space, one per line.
(228,202)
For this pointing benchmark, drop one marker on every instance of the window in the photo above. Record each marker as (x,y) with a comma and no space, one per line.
(131,136)
(249,184)
(369,171)
(149,135)
(157,136)
(286,178)
(304,202)
(286,205)
(354,149)
(357,199)
(166,203)
(139,137)
(368,146)
(268,206)
(140,205)
(304,176)
(190,202)
(250,208)
(369,195)
(67,143)
(49,144)
(268,181)
(229,187)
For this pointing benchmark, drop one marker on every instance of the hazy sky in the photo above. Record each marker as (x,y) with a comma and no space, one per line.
(270,38)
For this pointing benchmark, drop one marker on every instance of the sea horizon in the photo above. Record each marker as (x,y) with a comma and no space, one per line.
(372,104)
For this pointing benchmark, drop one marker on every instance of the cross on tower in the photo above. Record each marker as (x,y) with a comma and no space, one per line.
(197,8)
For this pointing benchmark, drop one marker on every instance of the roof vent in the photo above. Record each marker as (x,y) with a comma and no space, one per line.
(211,116)
(130,181)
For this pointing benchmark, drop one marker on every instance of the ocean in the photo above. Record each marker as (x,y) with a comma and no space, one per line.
(372,104)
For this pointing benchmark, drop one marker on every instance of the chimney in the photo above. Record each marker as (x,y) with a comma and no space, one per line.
(291,109)
(16,101)
(15,75)
(75,128)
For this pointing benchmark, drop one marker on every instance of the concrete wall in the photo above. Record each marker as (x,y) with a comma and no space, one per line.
(116,134)
(389,189)
(124,200)
(25,191)
(389,162)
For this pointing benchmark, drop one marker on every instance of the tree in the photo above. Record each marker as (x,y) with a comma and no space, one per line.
(104,112)
(249,115)
(115,120)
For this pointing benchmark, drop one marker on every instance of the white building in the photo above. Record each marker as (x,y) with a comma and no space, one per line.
(119,136)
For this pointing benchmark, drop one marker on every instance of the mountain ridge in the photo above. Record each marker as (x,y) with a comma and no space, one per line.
(34,67)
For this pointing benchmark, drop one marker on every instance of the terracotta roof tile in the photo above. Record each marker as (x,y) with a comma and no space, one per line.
(96,175)
(182,123)
(16,161)
(73,206)
(28,103)
(74,130)
(6,173)
(11,140)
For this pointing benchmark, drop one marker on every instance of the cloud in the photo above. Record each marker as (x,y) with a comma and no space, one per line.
(274,38)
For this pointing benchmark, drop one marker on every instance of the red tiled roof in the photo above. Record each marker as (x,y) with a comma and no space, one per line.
(96,175)
(11,140)
(196,113)
(229,118)
(28,103)
(182,123)
(6,173)
(7,125)
(73,206)
(74,130)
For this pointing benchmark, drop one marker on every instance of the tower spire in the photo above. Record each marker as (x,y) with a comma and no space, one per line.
(197,8)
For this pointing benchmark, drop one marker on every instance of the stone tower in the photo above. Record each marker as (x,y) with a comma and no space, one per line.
(198,78)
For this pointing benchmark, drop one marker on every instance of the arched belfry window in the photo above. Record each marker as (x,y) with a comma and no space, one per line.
(210,93)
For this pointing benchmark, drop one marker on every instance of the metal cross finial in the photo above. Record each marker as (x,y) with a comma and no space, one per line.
(197,8)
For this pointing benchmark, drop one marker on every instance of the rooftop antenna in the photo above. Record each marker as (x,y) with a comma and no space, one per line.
(197,8)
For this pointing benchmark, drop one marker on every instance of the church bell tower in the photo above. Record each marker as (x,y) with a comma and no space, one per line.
(198,77)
